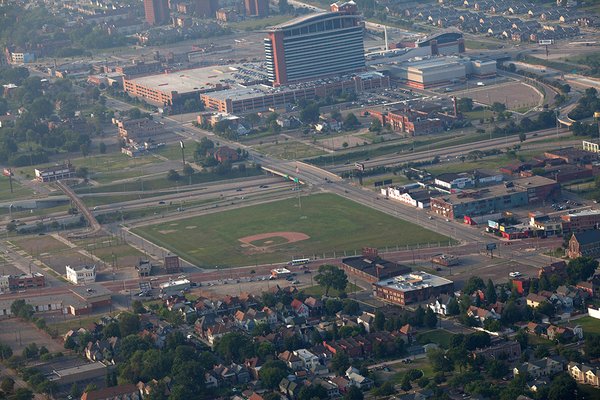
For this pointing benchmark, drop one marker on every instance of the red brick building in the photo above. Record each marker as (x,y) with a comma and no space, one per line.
(225,154)
(35,280)
(257,8)
(581,221)
(157,11)
(584,244)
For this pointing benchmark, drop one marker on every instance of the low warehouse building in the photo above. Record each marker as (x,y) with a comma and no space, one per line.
(411,288)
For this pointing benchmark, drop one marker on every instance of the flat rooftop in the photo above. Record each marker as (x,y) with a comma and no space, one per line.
(377,267)
(240,92)
(206,78)
(57,374)
(414,281)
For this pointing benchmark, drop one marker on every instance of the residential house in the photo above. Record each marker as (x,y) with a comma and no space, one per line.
(300,308)
(537,329)
(481,314)
(102,350)
(555,332)
(356,379)
(225,154)
(291,360)
(367,320)
(584,374)
(440,305)
(315,306)
(210,380)
(592,286)
(331,389)
(545,367)
(289,388)
(534,300)
(309,360)
(407,333)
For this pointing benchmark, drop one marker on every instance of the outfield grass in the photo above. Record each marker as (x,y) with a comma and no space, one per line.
(331,222)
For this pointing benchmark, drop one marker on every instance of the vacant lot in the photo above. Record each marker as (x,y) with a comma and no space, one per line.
(515,95)
(290,150)
(330,222)
(590,325)
(18,334)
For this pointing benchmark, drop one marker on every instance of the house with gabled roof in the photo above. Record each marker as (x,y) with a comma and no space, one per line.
(300,308)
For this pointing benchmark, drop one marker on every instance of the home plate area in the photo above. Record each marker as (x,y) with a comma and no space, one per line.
(267,242)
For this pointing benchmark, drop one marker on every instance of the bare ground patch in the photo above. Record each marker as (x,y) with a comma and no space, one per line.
(267,242)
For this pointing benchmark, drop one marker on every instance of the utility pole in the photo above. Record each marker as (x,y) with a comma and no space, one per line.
(182,153)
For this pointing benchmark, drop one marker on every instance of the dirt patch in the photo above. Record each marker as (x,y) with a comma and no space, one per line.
(167,231)
(191,227)
(267,242)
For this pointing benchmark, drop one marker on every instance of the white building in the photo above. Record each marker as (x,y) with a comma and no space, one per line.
(309,360)
(81,275)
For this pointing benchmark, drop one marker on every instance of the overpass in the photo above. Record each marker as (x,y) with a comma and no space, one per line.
(95,226)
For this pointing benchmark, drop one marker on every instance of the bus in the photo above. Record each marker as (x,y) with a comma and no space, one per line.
(299,261)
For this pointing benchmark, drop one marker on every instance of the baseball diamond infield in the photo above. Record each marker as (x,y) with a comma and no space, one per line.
(281,230)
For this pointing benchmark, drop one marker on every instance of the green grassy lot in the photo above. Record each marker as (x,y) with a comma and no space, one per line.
(64,327)
(440,337)
(161,182)
(477,45)
(19,192)
(92,201)
(590,325)
(396,180)
(290,150)
(318,290)
(331,222)
(173,151)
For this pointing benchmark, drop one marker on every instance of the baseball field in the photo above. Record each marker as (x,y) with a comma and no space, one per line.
(280,231)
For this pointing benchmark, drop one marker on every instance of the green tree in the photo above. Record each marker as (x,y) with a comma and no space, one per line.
(340,362)
(310,114)
(581,268)
(430,318)
(439,361)
(375,126)
(453,308)
(102,148)
(22,394)
(405,383)
(7,385)
(173,175)
(351,122)
(562,387)
(272,372)
(465,104)
(379,320)
(82,172)
(110,330)
(75,392)
(354,393)
(490,292)
(129,324)
(188,170)
(330,276)
(138,307)
(473,283)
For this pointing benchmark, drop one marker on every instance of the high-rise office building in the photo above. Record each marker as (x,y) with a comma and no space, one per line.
(157,11)
(206,8)
(257,8)
(315,45)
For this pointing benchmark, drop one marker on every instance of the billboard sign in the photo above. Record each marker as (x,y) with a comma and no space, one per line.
(7,172)
(359,166)
(545,42)
(490,246)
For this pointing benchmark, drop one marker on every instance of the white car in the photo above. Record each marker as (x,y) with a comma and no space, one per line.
(514,274)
